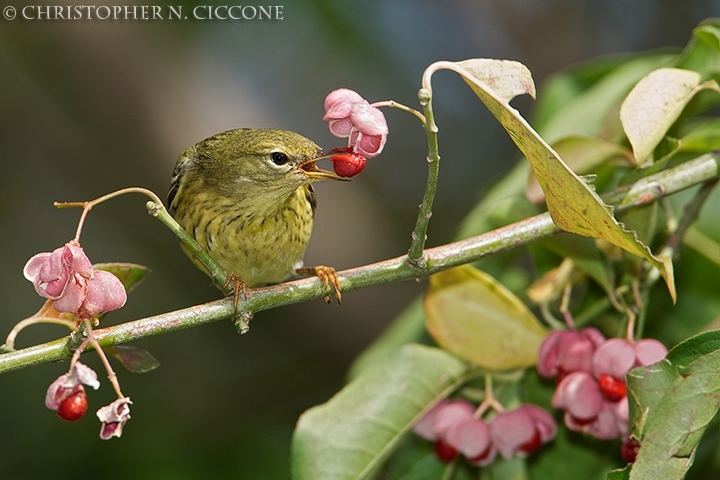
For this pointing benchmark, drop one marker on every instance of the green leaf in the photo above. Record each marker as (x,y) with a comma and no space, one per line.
(703,138)
(702,53)
(428,468)
(672,403)
(709,33)
(654,104)
(472,315)
(591,107)
(573,205)
(134,359)
(353,433)
(130,274)
(513,469)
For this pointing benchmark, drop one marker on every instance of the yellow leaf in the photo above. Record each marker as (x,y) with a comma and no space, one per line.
(473,316)
(653,105)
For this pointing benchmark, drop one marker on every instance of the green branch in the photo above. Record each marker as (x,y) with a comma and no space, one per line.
(419,235)
(700,170)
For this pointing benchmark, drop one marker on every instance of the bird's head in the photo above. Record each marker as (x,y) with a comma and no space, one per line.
(266,160)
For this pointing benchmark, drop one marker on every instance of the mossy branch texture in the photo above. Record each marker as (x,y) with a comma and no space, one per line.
(700,170)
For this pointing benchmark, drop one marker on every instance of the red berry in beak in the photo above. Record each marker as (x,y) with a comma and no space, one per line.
(348,164)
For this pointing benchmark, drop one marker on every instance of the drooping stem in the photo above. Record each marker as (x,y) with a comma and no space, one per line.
(419,234)
(111,373)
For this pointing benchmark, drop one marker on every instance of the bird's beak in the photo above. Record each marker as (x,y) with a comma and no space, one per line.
(312,171)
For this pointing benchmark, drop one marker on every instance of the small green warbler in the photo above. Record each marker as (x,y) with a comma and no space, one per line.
(246,197)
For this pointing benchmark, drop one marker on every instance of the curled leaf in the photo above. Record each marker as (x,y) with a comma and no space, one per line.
(573,205)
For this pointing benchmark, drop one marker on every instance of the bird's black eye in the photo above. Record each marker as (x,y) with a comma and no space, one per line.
(279,158)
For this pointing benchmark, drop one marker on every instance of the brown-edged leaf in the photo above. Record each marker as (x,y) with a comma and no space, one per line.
(573,205)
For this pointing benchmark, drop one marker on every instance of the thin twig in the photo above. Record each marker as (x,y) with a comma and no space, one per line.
(400,106)
(87,206)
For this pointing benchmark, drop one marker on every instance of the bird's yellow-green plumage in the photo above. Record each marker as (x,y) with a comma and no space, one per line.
(246,197)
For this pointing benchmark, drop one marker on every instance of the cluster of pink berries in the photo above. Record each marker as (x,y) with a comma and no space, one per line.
(453,427)
(590,373)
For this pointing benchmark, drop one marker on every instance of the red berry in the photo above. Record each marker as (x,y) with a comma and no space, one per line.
(629,450)
(612,389)
(533,444)
(446,453)
(348,164)
(74,407)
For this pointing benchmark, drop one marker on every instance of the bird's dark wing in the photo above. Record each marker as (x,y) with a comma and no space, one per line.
(311,197)
(178,177)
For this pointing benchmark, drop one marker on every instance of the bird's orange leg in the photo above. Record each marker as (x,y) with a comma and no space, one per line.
(329,277)
(238,286)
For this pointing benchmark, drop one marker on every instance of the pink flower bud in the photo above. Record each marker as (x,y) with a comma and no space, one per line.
(114,417)
(105,292)
(66,277)
(604,426)
(564,352)
(522,431)
(471,437)
(649,351)
(423,428)
(452,413)
(351,116)
(615,357)
(51,273)
(435,423)
(338,103)
(579,394)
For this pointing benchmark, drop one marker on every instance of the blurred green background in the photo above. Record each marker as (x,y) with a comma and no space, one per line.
(93,106)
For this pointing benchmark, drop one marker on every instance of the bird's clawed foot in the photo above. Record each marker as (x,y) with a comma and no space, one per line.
(240,319)
(329,277)
(238,286)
